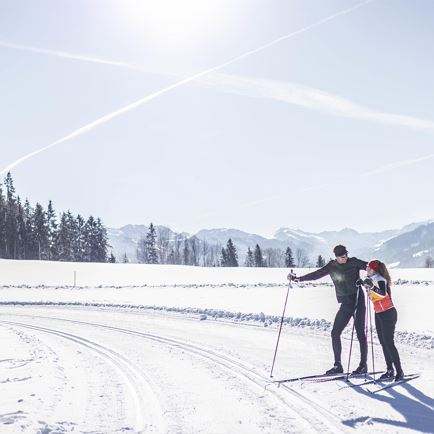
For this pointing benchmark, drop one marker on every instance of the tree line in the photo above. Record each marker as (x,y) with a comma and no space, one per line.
(162,246)
(28,232)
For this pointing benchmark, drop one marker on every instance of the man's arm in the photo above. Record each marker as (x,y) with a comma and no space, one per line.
(316,274)
(361,265)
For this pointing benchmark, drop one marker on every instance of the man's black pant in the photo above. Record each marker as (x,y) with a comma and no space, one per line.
(385,323)
(352,306)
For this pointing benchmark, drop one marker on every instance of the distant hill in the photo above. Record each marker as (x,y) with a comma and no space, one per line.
(405,247)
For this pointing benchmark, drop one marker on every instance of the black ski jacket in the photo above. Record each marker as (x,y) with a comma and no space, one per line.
(344,277)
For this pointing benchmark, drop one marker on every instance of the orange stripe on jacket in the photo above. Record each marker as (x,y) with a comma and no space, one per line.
(381,304)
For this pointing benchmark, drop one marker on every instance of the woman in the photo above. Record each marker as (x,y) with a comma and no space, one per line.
(378,283)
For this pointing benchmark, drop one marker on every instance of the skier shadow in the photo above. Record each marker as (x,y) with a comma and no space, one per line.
(417,410)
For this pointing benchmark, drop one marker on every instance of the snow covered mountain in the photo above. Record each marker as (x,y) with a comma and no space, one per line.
(242,240)
(124,241)
(409,246)
(410,249)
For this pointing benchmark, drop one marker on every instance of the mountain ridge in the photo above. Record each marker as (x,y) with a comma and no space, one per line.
(394,246)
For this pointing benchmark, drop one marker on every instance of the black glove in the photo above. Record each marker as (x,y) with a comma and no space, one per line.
(367,282)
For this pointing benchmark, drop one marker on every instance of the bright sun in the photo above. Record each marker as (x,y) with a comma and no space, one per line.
(174,17)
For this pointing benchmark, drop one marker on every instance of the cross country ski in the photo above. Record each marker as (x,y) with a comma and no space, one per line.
(406,379)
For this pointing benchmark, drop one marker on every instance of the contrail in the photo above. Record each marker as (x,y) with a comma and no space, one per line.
(311,99)
(397,165)
(147,98)
(67,55)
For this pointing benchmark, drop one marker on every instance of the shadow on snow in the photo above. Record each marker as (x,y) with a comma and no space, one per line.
(417,410)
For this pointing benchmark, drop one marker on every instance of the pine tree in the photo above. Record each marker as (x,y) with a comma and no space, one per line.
(289,259)
(102,241)
(250,260)
(22,232)
(64,241)
(224,258)
(320,262)
(231,254)
(95,239)
(52,232)
(33,233)
(112,258)
(11,218)
(40,227)
(125,259)
(2,224)
(151,249)
(259,260)
(82,233)
(31,245)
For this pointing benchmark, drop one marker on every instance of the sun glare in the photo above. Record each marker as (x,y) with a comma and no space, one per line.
(172,18)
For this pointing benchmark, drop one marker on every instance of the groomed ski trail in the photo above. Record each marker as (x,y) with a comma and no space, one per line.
(310,415)
(147,410)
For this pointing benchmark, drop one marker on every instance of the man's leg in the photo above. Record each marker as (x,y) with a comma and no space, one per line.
(342,318)
(360,328)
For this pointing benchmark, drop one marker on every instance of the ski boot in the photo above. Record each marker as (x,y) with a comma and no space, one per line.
(337,369)
(361,369)
(388,375)
(399,375)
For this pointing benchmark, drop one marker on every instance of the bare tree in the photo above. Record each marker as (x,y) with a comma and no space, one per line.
(163,242)
(301,259)
(177,259)
(194,248)
(429,262)
(204,252)
(214,256)
(141,251)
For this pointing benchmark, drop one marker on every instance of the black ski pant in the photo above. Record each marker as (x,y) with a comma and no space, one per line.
(385,323)
(357,308)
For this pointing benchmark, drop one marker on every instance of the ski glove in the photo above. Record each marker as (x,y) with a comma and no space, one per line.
(293,278)
(367,283)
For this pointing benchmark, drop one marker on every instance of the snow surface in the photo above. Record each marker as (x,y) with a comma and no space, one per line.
(142,348)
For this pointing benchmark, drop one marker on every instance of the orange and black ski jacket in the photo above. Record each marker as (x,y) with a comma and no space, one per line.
(379,292)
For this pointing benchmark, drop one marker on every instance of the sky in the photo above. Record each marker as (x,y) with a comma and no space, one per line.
(183,114)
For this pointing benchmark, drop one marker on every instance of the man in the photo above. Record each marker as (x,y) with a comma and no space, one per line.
(344,272)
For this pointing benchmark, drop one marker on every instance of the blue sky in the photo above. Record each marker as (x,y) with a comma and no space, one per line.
(332,127)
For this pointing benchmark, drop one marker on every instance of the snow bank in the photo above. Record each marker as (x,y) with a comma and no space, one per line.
(47,273)
(243,292)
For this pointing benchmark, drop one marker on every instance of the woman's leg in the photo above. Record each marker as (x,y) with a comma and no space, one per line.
(380,333)
(389,319)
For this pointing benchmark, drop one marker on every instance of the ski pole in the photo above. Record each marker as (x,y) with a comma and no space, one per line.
(372,339)
(366,327)
(281,322)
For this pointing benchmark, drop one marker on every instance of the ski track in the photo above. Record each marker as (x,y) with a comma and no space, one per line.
(135,381)
(315,417)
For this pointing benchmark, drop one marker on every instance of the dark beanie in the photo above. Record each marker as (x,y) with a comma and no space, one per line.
(340,250)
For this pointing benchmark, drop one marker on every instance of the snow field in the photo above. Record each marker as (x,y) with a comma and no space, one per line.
(168,349)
